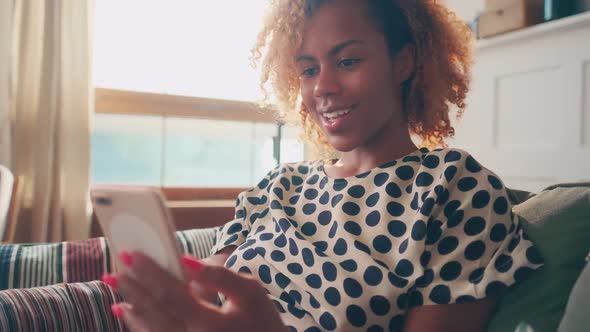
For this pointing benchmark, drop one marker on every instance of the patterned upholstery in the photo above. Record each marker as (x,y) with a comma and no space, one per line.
(53,287)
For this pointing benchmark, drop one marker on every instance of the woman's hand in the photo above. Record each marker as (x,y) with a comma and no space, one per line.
(157,301)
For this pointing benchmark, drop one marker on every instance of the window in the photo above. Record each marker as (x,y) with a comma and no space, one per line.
(174,92)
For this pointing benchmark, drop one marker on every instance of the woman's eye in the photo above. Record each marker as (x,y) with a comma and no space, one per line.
(348,63)
(309,72)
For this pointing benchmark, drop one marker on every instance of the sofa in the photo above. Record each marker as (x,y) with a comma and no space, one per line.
(56,287)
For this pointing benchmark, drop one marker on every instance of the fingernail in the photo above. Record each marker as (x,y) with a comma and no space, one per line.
(191,263)
(109,280)
(117,310)
(126,258)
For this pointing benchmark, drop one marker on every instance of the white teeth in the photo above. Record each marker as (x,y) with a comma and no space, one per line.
(335,114)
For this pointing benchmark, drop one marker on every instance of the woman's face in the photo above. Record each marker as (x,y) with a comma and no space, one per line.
(350,83)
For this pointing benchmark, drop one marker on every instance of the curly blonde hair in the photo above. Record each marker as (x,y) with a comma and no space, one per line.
(443,61)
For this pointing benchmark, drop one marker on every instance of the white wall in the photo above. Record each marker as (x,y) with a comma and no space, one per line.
(466,9)
(5,23)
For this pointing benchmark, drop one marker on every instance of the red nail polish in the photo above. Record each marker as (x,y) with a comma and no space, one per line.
(117,310)
(192,263)
(110,280)
(126,258)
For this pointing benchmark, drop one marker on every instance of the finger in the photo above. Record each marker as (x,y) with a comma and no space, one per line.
(133,322)
(240,288)
(154,314)
(150,274)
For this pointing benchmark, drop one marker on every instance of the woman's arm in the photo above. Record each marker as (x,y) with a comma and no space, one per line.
(463,317)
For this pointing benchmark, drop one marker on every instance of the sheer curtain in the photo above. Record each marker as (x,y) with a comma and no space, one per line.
(51,106)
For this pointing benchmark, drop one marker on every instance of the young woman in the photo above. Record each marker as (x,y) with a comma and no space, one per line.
(388,237)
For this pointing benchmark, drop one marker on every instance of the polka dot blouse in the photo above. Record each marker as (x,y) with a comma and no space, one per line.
(354,254)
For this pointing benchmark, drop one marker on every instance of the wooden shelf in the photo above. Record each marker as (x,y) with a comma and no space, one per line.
(566,23)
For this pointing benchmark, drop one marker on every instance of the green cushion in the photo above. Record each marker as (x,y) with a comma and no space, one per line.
(557,220)
(576,316)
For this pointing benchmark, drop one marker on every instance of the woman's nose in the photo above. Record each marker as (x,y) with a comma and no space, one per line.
(327,84)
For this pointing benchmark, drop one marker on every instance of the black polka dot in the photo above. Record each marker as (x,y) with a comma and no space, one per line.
(440,294)
(280,241)
(336,199)
(373,276)
(277,256)
(450,271)
(380,305)
(425,279)
(323,182)
(294,199)
(375,328)
(474,226)
(414,205)
(522,273)
(408,159)
(450,173)
(333,229)
(351,208)
(396,228)
(382,244)
(380,179)
(278,306)
(503,263)
(249,254)
(327,321)
(332,296)
(275,205)
(279,192)
(405,172)
(302,169)
(476,275)
(431,162)
(415,299)
(466,184)
(513,243)
(451,208)
(402,302)
(475,250)
(480,199)
(495,182)
(472,165)
(465,299)
(425,258)
(433,231)
(404,268)
(362,247)
(396,323)
(356,315)
(309,229)
(313,302)
(231,261)
(264,274)
(329,271)
(424,179)
(403,246)
(455,219)
(309,208)
(352,288)
(313,179)
(447,245)
(356,191)
(419,230)
(298,189)
(340,184)
(266,236)
(362,175)
(393,190)
(286,183)
(372,199)
(498,233)
(293,249)
(307,257)
(311,329)
(395,209)
(297,180)
(494,288)
(325,217)
(349,265)
(409,189)
(534,256)
(263,184)
(452,156)
(325,198)
(295,268)
(310,193)
(353,228)
(426,208)
(373,218)
(321,245)
(314,281)
(290,211)
(340,247)
(397,281)
(501,205)
(260,251)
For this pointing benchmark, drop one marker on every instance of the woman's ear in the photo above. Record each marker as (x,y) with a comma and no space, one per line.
(404,63)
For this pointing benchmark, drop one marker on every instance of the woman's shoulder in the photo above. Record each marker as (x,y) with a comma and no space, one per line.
(293,173)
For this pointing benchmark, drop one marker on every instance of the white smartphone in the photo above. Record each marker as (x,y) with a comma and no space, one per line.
(136,218)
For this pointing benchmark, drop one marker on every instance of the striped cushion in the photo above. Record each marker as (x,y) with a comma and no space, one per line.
(25,266)
(63,307)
